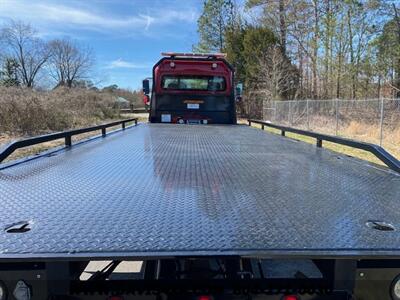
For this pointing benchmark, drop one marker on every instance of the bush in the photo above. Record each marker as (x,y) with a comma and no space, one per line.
(25,111)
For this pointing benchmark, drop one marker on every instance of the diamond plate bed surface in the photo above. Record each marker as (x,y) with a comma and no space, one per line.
(162,190)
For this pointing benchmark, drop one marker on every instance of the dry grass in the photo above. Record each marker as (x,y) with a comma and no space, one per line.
(355,128)
(142,117)
(28,112)
(371,134)
(25,112)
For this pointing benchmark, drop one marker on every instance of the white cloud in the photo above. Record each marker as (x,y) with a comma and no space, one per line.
(149,21)
(49,13)
(60,14)
(123,64)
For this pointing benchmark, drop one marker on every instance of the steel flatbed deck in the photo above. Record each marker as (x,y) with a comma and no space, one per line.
(163,190)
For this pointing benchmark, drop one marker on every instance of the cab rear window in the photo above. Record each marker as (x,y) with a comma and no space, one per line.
(194,83)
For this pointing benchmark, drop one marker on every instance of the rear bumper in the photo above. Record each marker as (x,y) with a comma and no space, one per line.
(212,117)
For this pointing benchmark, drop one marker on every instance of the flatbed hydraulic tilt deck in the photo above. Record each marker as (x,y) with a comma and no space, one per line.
(211,212)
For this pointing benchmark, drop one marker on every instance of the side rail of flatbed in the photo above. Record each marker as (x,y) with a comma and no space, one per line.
(378,151)
(66,135)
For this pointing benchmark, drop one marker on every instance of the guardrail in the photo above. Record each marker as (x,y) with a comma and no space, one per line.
(134,110)
(378,151)
(66,135)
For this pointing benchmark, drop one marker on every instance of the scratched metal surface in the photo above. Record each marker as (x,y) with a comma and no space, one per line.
(162,190)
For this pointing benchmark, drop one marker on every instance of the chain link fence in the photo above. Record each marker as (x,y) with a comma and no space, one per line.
(374,120)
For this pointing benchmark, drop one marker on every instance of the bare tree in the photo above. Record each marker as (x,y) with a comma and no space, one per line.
(279,78)
(331,41)
(276,15)
(397,21)
(29,52)
(2,46)
(69,62)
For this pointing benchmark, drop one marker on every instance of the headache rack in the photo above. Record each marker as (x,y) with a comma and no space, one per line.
(193,55)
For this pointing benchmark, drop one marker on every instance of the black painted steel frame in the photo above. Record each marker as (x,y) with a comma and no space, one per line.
(67,135)
(378,151)
(340,279)
(337,281)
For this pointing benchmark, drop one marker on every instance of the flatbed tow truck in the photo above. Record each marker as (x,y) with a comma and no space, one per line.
(215,211)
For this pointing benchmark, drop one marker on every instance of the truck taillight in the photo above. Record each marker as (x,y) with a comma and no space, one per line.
(115,298)
(204,297)
(146,99)
(290,297)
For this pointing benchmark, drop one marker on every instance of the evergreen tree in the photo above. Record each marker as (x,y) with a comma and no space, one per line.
(9,75)
(212,25)
(256,43)
(389,53)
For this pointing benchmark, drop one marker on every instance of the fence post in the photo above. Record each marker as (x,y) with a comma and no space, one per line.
(68,141)
(274,111)
(381,123)
(337,116)
(308,117)
(319,143)
(290,113)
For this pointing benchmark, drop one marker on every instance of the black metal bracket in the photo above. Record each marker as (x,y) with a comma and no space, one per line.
(66,135)
(378,151)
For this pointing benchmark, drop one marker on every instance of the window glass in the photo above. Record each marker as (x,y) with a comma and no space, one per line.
(189,82)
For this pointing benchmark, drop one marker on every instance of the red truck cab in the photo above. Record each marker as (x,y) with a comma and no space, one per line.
(192,88)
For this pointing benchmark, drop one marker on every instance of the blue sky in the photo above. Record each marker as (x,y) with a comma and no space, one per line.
(127,36)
